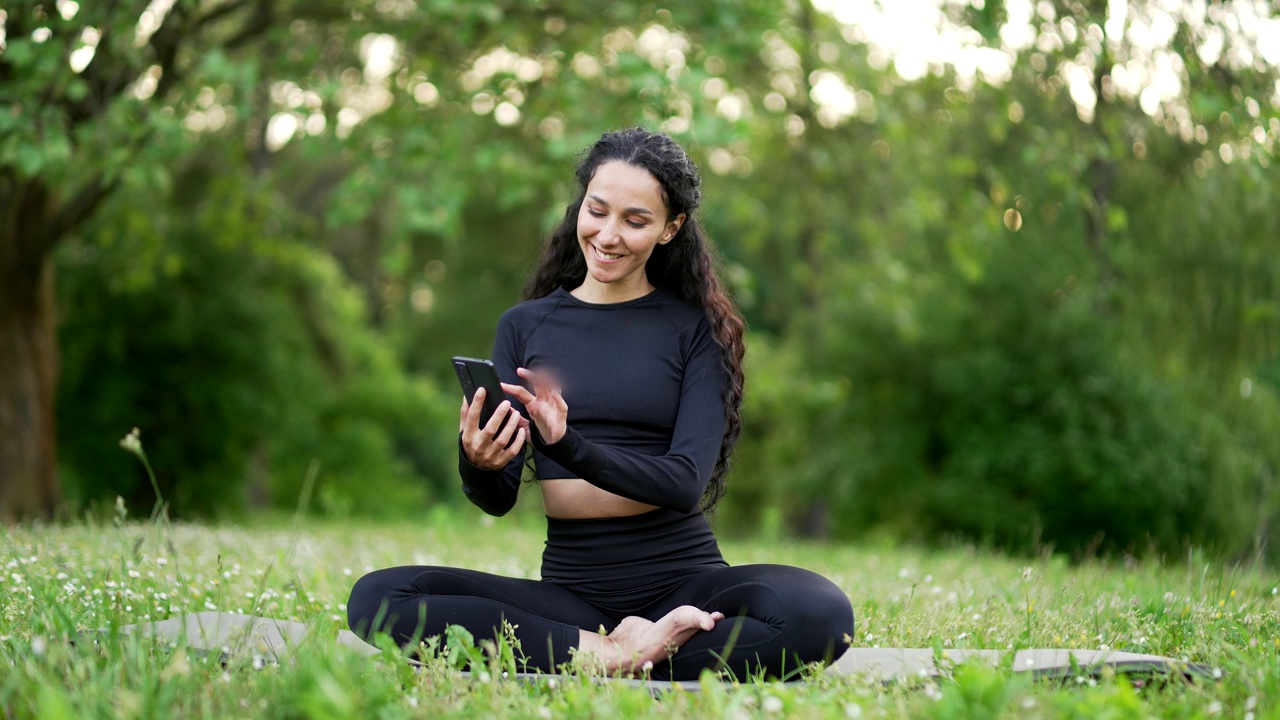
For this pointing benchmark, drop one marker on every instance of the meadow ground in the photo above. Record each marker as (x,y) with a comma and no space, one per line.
(60,581)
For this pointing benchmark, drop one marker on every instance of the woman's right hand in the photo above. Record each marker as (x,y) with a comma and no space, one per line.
(500,441)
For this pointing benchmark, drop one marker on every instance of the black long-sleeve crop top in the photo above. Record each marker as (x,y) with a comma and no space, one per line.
(645,388)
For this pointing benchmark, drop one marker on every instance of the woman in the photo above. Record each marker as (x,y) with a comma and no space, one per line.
(623,369)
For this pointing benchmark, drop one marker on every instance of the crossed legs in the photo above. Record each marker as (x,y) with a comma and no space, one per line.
(747,619)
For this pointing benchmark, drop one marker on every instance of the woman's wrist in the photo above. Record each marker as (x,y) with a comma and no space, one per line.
(549,438)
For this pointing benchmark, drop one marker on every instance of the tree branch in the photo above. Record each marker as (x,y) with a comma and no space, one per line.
(71,214)
(221,11)
(254,27)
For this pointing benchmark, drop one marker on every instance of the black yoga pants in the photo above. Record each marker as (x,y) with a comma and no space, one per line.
(777,618)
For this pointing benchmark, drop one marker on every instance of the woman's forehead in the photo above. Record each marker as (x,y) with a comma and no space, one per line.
(621,184)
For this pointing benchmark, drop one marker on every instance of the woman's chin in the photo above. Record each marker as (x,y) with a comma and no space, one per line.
(603,276)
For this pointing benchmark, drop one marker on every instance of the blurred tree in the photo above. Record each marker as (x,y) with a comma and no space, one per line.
(1027,260)
(100,97)
(966,204)
(85,92)
(244,353)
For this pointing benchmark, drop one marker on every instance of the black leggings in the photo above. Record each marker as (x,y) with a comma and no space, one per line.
(777,618)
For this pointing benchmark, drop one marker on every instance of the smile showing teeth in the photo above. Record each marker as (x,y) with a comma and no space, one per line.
(605,255)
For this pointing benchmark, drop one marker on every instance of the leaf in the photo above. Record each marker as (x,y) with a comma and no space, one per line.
(77,89)
(29,160)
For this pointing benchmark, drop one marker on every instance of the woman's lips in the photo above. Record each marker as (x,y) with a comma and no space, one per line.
(603,256)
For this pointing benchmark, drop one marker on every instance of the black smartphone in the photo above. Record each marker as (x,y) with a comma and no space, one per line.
(476,373)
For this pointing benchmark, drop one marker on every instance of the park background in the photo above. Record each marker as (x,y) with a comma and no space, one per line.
(1011,269)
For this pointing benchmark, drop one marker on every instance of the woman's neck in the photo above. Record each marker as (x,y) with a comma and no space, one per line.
(598,293)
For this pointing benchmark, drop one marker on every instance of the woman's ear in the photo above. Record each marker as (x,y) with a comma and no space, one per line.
(672,228)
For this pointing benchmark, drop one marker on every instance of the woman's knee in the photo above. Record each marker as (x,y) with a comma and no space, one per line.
(369,603)
(820,615)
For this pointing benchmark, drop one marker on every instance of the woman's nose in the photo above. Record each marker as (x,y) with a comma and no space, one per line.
(609,231)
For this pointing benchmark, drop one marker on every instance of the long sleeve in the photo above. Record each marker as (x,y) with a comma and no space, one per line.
(678,478)
(495,491)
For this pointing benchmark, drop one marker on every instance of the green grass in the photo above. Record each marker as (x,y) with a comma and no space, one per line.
(57,582)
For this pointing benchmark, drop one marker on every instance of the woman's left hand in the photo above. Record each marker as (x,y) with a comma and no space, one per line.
(545,405)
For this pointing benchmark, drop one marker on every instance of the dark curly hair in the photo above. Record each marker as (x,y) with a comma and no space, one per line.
(685,265)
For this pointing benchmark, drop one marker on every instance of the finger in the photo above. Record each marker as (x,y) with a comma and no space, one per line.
(494,426)
(508,428)
(540,379)
(512,449)
(470,414)
(475,406)
(472,411)
(519,392)
(717,616)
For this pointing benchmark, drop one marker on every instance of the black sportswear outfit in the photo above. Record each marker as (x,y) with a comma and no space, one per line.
(644,384)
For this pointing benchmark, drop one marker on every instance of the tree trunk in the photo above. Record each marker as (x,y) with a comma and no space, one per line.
(28,372)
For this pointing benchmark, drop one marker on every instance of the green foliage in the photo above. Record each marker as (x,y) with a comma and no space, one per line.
(993,320)
(1022,428)
(979,691)
(979,307)
(242,356)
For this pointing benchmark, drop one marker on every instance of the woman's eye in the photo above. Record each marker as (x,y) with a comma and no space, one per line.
(595,213)
(636,224)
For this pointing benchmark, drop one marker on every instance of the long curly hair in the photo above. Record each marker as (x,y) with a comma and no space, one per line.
(685,265)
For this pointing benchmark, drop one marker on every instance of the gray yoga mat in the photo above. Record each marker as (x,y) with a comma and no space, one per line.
(277,641)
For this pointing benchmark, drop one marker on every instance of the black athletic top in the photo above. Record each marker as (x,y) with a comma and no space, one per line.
(644,385)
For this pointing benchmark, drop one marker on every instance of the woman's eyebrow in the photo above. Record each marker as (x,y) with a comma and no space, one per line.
(629,211)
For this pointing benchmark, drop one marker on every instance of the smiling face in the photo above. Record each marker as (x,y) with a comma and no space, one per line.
(622,219)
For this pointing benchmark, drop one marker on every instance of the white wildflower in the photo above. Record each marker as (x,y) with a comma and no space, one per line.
(133,443)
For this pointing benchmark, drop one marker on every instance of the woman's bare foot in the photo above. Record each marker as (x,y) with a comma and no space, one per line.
(636,643)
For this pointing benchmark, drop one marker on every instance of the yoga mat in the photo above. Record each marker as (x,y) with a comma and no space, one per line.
(277,641)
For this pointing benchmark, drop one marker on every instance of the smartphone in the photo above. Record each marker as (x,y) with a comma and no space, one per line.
(476,373)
